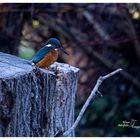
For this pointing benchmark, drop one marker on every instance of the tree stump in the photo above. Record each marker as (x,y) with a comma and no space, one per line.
(35,102)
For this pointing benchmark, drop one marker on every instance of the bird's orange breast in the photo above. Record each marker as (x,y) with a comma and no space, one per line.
(49,59)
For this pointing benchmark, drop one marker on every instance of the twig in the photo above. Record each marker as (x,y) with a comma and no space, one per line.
(110,65)
(92,95)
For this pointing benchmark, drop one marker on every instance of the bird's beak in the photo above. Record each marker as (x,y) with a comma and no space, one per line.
(63,50)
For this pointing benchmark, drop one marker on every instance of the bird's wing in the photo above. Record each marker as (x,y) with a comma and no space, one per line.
(41,54)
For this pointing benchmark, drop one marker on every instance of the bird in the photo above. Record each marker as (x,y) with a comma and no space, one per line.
(48,54)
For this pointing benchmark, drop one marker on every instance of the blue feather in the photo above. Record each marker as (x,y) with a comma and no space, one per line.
(42,53)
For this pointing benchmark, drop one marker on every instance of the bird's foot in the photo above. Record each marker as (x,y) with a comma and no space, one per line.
(35,67)
(46,68)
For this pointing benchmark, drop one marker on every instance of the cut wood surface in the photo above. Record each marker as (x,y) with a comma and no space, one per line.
(35,102)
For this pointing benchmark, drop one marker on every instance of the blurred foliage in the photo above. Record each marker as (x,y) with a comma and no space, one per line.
(99,39)
(23,52)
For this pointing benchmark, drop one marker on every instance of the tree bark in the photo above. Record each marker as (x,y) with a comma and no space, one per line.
(35,102)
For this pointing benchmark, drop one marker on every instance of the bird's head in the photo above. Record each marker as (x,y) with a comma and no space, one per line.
(57,44)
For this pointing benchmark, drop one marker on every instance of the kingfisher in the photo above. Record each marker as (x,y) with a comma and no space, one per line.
(48,54)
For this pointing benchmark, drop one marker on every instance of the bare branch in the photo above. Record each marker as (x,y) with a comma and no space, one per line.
(92,96)
(111,74)
(110,65)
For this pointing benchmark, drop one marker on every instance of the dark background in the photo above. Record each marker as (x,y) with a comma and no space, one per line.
(99,38)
